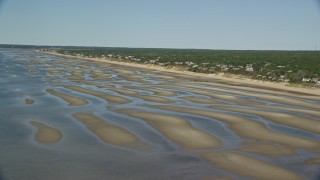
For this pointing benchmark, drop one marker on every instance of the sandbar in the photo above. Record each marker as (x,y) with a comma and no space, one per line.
(107,97)
(107,132)
(280,118)
(46,134)
(266,97)
(29,101)
(248,128)
(248,166)
(176,129)
(159,92)
(72,100)
(201,100)
(152,98)
(267,149)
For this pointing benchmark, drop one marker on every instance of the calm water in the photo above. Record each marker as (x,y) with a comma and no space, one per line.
(82,153)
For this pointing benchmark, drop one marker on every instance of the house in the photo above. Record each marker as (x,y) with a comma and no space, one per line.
(315,80)
(249,69)
(306,79)
(152,61)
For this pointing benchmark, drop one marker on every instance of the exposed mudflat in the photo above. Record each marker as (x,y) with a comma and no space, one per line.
(69,118)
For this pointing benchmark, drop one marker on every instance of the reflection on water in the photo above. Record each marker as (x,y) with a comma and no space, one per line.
(67,118)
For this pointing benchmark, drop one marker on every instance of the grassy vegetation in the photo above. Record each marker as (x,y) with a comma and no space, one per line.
(288,66)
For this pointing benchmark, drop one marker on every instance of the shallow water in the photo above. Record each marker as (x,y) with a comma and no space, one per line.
(160,152)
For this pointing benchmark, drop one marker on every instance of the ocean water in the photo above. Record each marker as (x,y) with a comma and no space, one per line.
(161,153)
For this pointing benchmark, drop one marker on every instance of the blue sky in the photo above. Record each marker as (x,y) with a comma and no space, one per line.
(210,24)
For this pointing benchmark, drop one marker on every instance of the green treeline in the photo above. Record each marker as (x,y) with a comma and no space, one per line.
(288,66)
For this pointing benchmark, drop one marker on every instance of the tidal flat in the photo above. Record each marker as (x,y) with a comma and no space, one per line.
(72,118)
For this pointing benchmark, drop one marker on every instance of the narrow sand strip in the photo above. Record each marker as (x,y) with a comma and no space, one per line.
(218,178)
(267,149)
(265,90)
(201,100)
(280,118)
(248,166)
(123,71)
(75,78)
(134,78)
(270,98)
(72,100)
(107,97)
(152,98)
(158,92)
(54,73)
(248,128)
(107,132)
(289,109)
(29,101)
(101,76)
(313,161)
(46,134)
(218,96)
(257,89)
(176,129)
(125,92)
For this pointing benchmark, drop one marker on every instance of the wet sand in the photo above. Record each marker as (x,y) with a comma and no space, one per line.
(72,100)
(271,98)
(280,118)
(158,92)
(157,124)
(202,100)
(107,132)
(105,96)
(154,98)
(313,161)
(177,130)
(46,134)
(248,166)
(267,149)
(29,101)
(249,129)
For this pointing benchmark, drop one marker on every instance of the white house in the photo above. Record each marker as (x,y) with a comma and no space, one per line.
(306,79)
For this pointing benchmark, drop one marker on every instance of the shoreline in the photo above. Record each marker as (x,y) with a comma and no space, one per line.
(220,76)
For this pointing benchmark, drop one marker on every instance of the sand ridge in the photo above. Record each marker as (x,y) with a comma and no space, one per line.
(248,166)
(72,100)
(176,129)
(247,128)
(280,118)
(105,96)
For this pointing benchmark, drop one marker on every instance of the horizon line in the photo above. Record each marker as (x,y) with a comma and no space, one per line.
(91,46)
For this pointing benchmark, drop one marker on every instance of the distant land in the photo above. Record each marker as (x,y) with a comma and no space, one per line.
(292,67)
